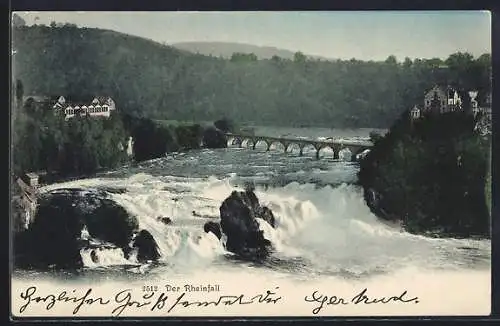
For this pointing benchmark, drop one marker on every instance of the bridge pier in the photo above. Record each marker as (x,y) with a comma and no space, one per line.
(318,148)
(285,146)
(353,154)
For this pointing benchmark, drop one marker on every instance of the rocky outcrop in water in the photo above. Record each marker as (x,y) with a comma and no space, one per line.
(164,219)
(238,215)
(68,220)
(214,228)
(147,249)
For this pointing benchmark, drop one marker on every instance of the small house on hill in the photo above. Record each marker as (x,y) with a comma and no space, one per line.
(415,112)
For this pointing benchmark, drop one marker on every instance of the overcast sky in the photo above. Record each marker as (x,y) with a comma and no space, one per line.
(363,35)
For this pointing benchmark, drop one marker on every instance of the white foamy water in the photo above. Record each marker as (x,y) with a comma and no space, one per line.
(329,229)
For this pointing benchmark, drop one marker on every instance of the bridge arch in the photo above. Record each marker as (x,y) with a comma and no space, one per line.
(234,141)
(278,145)
(247,142)
(306,148)
(346,153)
(258,141)
(354,151)
(328,150)
(290,147)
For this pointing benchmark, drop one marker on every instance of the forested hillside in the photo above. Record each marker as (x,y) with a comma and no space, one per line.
(149,79)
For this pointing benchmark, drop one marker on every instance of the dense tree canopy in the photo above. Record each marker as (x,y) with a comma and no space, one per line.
(44,140)
(432,174)
(156,81)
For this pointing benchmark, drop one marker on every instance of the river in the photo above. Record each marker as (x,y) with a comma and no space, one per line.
(325,234)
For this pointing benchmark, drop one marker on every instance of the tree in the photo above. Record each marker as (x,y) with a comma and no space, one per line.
(391,60)
(53,24)
(407,63)
(299,57)
(224,125)
(459,59)
(243,57)
(276,58)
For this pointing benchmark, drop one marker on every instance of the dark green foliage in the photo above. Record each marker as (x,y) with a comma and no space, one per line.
(43,140)
(243,57)
(189,137)
(151,80)
(214,138)
(225,125)
(431,175)
(299,57)
(375,137)
(151,140)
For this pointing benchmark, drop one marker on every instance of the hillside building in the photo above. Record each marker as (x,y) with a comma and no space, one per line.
(415,112)
(98,107)
(442,100)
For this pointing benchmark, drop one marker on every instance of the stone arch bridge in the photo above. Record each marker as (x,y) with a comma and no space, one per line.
(336,145)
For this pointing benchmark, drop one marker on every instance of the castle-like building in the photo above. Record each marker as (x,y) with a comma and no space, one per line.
(440,100)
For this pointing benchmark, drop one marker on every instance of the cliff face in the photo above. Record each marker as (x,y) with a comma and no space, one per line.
(430,174)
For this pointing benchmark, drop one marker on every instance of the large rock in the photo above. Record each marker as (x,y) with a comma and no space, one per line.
(238,215)
(214,138)
(147,248)
(164,219)
(67,220)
